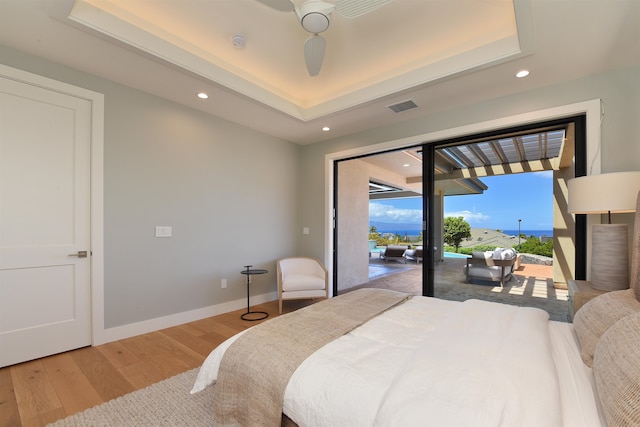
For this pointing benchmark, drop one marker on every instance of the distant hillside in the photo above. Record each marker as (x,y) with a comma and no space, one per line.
(479,236)
(486,236)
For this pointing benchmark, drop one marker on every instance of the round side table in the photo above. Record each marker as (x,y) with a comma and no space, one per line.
(252,315)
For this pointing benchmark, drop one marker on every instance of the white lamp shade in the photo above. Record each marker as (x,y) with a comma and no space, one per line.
(600,194)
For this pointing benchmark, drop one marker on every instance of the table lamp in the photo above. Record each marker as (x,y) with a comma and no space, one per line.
(606,194)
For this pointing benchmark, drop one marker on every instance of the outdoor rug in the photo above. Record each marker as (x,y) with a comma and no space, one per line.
(166,403)
(523,289)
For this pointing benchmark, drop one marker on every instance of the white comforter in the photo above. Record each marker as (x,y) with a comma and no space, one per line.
(428,362)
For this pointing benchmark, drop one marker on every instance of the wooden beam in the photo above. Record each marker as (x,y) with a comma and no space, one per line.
(567,150)
(494,170)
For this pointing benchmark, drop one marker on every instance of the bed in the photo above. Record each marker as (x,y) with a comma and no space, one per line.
(375,357)
(450,363)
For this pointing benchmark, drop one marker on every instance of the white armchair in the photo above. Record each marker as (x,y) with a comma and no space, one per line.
(301,278)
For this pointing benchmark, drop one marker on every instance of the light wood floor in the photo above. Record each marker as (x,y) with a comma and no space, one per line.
(44,390)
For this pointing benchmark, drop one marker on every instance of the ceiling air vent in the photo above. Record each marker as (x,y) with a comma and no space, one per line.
(403,106)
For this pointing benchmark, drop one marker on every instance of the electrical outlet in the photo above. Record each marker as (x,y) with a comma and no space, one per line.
(163,231)
(223,283)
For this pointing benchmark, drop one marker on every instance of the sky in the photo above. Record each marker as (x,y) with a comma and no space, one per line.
(526,196)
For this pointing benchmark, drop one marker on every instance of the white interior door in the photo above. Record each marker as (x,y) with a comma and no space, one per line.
(45,212)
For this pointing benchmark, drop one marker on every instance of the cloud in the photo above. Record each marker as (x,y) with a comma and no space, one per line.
(473,218)
(390,214)
(387,213)
(544,174)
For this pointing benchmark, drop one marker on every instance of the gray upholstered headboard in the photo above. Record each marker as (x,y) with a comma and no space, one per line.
(608,329)
(635,252)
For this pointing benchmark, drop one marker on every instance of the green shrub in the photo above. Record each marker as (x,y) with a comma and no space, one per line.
(533,245)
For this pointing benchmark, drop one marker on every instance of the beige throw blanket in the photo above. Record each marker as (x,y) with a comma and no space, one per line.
(255,370)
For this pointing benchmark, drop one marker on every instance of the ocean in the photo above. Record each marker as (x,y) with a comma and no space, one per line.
(410,233)
(415,233)
(537,233)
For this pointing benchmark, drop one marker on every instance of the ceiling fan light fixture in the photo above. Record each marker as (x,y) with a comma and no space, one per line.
(315,22)
(314,49)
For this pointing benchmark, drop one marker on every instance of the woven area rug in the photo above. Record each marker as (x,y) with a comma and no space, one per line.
(167,403)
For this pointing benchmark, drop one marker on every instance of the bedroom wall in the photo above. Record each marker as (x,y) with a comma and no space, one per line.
(619,91)
(213,181)
(215,184)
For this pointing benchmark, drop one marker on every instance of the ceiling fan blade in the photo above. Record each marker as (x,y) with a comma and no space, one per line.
(280,5)
(314,54)
(355,8)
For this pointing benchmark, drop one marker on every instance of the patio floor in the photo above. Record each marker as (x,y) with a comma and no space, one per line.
(531,286)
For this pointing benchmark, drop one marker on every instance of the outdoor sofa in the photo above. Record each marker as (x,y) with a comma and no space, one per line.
(496,266)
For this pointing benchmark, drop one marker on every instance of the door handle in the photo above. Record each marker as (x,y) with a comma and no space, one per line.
(80,254)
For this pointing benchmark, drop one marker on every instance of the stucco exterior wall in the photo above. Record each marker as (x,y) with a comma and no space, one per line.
(353,224)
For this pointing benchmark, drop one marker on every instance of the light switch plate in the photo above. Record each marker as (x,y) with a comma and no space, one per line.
(163,231)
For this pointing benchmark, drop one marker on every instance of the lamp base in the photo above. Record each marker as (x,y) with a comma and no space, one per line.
(610,257)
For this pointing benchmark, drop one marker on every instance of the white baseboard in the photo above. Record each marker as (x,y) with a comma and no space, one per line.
(151,325)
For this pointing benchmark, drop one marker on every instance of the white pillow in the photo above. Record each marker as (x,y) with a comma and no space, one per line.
(497,253)
(479,255)
(508,254)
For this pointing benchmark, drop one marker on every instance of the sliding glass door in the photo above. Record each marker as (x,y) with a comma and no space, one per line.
(371,213)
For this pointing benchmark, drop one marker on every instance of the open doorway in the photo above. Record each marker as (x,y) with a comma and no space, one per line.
(459,166)
(363,253)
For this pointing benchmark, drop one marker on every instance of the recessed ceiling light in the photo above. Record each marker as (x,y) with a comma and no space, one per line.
(523,73)
(406,165)
(326,129)
(202,95)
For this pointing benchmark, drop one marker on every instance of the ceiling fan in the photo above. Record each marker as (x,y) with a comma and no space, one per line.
(314,18)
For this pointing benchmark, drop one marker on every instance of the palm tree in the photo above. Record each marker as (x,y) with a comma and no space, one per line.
(373,233)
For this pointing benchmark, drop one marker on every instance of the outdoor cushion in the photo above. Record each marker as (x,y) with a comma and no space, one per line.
(507,254)
(502,253)
(414,254)
(488,256)
(394,252)
(484,272)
